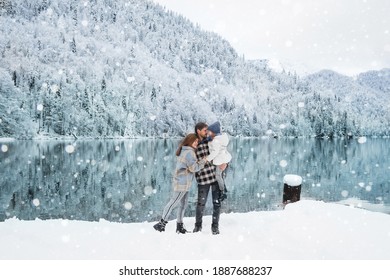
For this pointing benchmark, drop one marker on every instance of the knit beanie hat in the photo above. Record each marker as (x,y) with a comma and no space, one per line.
(215,127)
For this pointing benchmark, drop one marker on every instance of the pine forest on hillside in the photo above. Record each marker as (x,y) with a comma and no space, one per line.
(131,68)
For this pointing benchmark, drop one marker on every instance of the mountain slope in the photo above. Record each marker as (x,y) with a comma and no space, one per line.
(105,68)
(377,80)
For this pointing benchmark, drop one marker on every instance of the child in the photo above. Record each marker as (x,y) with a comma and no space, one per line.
(219,154)
(186,167)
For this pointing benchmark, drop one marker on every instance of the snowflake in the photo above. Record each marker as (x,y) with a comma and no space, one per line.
(4,148)
(283,163)
(36,202)
(69,149)
(128,205)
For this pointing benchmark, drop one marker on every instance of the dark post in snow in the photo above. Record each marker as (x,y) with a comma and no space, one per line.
(291,188)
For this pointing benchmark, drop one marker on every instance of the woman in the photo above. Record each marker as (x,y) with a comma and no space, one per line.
(186,166)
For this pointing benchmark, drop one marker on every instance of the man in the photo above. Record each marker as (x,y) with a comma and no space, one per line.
(206,181)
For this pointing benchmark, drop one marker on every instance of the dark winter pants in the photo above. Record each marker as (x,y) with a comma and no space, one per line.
(203,192)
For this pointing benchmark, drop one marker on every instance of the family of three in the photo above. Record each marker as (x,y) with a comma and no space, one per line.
(202,155)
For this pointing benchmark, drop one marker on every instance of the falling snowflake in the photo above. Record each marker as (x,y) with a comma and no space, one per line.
(117,148)
(140,158)
(130,79)
(301,104)
(283,163)
(40,107)
(54,88)
(153,118)
(362,140)
(148,190)
(36,202)
(368,188)
(69,149)
(4,148)
(272,178)
(84,23)
(128,205)
(269,132)
(344,193)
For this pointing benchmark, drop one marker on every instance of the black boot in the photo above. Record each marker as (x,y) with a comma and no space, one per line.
(180,228)
(198,227)
(214,229)
(160,226)
(222,195)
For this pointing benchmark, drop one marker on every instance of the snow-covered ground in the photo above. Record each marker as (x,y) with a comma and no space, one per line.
(306,230)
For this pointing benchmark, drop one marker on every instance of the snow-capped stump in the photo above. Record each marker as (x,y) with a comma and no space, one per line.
(292,188)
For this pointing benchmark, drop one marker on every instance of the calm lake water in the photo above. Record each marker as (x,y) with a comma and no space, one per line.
(130,180)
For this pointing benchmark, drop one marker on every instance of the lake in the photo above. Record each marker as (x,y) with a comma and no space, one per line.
(130,180)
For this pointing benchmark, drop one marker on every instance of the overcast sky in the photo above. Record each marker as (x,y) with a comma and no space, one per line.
(348,36)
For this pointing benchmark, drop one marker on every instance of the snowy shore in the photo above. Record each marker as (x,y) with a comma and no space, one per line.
(306,230)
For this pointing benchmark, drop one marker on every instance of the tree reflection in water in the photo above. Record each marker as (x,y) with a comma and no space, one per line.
(130,180)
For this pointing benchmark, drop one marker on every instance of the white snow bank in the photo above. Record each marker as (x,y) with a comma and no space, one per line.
(292,180)
(305,230)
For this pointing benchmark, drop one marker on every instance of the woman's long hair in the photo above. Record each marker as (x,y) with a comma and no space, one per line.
(187,141)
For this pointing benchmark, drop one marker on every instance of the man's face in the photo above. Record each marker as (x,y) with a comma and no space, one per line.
(202,132)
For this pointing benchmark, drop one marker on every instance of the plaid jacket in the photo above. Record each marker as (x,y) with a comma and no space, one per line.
(206,175)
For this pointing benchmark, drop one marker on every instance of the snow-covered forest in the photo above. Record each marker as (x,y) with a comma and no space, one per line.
(131,68)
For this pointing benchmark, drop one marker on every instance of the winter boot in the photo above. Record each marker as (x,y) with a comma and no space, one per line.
(214,229)
(160,226)
(180,228)
(222,195)
(198,227)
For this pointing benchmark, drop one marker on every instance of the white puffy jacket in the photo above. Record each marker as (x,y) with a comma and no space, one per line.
(218,150)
